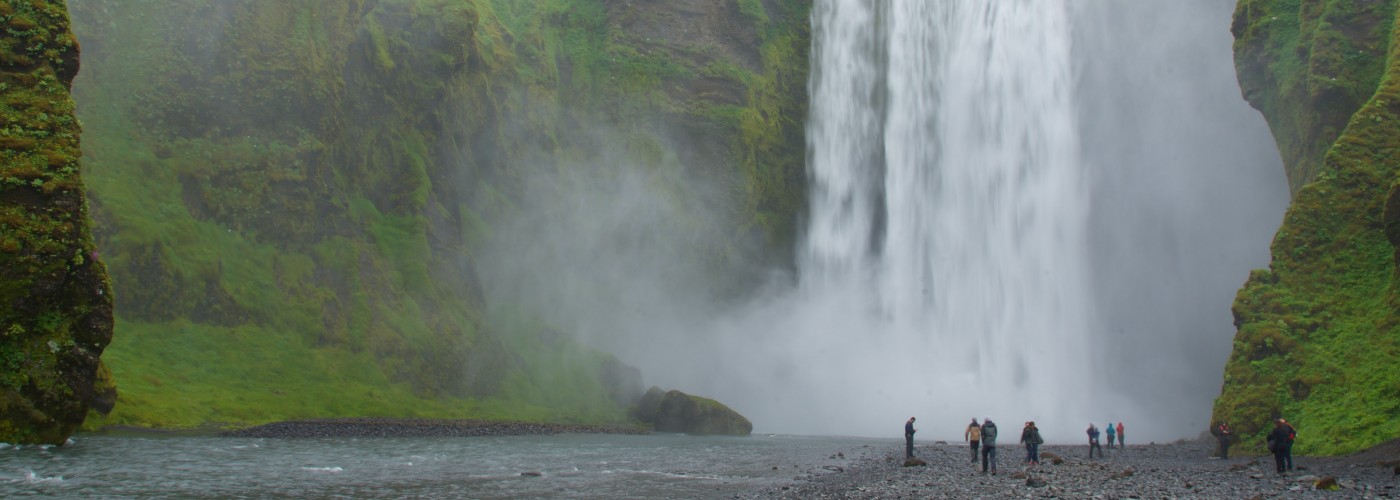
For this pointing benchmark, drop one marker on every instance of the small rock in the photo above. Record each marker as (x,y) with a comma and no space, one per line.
(1018,475)
(1035,482)
(1326,483)
(1125,474)
(1347,483)
(913,462)
(532,473)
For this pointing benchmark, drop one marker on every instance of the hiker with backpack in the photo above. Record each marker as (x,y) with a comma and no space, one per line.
(989,445)
(973,434)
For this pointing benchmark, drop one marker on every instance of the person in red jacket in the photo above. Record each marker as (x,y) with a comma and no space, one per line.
(1120,435)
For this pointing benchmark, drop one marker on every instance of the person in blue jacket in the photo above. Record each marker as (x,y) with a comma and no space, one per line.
(1110,433)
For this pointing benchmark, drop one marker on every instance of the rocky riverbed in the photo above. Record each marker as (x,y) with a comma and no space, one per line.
(407,427)
(1178,470)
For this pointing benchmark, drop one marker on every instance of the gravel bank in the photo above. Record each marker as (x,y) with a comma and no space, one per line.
(399,427)
(1179,470)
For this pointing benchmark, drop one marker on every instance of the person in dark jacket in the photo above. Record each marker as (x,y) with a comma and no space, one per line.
(909,438)
(1281,444)
(989,445)
(1222,433)
(1093,433)
(973,434)
(1030,436)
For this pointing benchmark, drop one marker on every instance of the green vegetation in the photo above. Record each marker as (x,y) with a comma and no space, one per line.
(291,198)
(1317,339)
(57,309)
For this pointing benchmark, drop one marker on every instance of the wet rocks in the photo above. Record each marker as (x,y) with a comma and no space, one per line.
(1179,470)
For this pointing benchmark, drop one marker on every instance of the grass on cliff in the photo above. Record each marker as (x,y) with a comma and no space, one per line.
(1318,342)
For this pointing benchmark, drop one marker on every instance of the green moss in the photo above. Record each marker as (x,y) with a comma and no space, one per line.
(291,196)
(56,315)
(1317,336)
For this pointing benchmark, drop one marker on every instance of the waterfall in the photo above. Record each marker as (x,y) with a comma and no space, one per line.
(948,198)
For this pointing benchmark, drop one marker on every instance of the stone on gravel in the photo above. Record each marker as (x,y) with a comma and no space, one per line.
(1326,483)
(914,462)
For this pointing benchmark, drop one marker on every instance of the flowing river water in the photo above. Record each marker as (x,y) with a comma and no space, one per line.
(568,465)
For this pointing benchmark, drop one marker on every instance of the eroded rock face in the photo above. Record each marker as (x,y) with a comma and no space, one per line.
(55,298)
(676,411)
(1315,339)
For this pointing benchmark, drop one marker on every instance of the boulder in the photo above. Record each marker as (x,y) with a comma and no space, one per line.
(1326,483)
(676,411)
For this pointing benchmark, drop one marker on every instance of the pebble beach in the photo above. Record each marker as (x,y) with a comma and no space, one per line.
(1177,470)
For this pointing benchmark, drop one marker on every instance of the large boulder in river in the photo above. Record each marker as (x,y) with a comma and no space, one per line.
(676,411)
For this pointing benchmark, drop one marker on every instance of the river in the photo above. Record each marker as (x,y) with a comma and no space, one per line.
(150,465)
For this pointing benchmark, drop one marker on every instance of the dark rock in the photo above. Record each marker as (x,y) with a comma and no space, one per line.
(1018,475)
(1126,473)
(532,473)
(1035,482)
(681,412)
(1326,483)
(914,462)
(648,405)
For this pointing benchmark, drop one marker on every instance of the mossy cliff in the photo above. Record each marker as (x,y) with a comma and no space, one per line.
(1317,339)
(293,197)
(55,301)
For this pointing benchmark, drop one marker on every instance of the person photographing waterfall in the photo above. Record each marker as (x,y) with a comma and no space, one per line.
(1093,433)
(909,438)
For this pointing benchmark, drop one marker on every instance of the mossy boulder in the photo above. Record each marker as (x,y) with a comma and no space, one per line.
(676,411)
(55,300)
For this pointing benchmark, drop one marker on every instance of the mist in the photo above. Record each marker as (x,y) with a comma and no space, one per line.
(1099,292)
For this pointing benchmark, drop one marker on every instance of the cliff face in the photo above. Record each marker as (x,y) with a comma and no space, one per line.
(1317,338)
(294,198)
(55,301)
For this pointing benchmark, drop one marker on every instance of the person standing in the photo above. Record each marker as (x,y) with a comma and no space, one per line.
(1093,433)
(973,434)
(1222,433)
(1120,435)
(1030,436)
(1281,444)
(1109,430)
(989,445)
(1288,444)
(909,438)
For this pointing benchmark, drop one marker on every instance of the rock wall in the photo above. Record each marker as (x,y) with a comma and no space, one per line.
(294,199)
(1317,337)
(55,300)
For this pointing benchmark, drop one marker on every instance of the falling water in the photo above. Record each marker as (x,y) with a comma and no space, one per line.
(948,197)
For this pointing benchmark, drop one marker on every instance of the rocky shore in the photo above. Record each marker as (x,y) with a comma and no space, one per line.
(1178,470)
(399,427)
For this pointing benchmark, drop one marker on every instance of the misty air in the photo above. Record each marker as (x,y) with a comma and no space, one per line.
(698,248)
